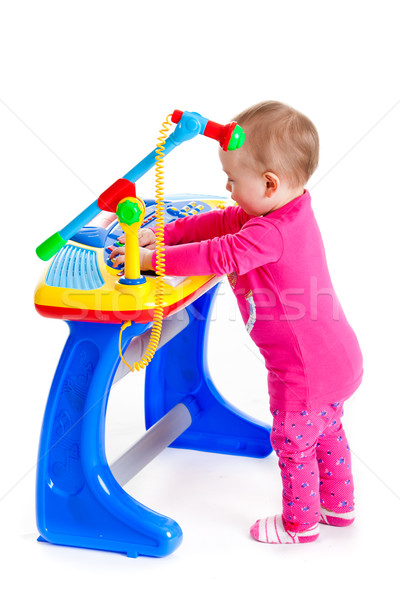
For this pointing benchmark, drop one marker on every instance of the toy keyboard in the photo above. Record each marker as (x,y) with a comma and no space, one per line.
(79,284)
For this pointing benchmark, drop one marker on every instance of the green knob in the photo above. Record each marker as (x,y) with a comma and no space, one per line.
(128,212)
(237,138)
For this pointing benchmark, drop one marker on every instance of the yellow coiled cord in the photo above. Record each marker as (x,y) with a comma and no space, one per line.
(160,259)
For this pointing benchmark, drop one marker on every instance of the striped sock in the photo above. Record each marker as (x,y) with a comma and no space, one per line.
(272,531)
(329,517)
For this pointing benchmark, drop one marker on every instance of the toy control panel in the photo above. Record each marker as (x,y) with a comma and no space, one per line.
(80,282)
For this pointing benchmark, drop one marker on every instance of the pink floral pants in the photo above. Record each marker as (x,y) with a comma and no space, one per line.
(315,462)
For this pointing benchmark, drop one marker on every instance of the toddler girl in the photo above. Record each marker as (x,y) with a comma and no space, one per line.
(270,247)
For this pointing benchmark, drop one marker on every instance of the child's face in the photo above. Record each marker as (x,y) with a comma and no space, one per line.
(247,188)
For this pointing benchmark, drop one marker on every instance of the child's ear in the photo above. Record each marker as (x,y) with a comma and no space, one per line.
(271,183)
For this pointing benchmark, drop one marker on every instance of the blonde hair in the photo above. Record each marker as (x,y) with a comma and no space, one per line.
(280,139)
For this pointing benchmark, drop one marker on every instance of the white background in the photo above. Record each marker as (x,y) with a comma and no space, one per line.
(84,87)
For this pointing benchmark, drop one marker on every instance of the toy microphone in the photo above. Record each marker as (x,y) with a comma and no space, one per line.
(230,136)
(188,125)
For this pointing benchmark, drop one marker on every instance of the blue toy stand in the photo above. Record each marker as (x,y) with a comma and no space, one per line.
(181,366)
(79,501)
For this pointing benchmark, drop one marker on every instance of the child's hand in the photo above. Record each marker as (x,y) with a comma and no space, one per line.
(146,238)
(119,254)
(145,257)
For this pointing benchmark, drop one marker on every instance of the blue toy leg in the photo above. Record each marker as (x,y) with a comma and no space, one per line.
(79,503)
(179,373)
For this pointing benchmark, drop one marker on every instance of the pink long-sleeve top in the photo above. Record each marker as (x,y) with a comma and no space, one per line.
(277,268)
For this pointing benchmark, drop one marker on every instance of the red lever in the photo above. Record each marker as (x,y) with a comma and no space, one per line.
(120,189)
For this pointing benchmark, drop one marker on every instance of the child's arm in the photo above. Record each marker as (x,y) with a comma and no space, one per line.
(258,242)
(205,226)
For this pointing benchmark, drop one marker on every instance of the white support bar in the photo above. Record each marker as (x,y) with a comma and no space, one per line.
(158,437)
